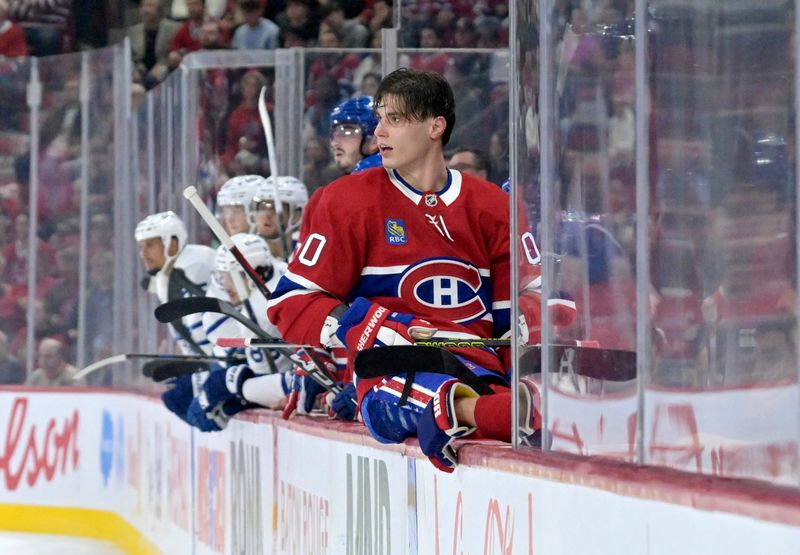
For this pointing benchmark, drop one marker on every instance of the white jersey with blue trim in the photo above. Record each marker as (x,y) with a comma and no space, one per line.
(188,275)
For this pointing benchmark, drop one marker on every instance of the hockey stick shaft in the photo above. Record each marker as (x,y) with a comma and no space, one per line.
(266,124)
(131,356)
(191,195)
(443,343)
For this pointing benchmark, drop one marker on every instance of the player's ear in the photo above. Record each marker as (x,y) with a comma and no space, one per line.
(438,128)
(173,247)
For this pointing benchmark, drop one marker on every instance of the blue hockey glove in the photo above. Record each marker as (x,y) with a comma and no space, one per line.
(306,392)
(220,398)
(367,324)
(344,403)
(213,418)
(438,427)
(181,390)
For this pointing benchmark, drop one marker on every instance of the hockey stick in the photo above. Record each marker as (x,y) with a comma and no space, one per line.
(266,124)
(131,356)
(440,343)
(603,364)
(179,308)
(191,195)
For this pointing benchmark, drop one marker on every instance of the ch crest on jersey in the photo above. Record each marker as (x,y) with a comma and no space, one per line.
(448,286)
(396,232)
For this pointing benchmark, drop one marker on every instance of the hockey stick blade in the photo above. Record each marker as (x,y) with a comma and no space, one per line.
(601,364)
(407,359)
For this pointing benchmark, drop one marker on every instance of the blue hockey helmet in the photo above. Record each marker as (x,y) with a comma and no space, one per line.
(357,111)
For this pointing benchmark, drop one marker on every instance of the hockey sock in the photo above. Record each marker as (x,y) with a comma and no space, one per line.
(493,416)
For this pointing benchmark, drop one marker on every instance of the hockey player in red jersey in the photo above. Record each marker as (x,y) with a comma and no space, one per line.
(407,251)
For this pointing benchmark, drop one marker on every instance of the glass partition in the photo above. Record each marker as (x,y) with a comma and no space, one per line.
(452,24)
(723,379)
(711,251)
(15,145)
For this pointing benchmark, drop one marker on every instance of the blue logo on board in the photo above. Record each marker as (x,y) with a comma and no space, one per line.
(396,232)
(106,446)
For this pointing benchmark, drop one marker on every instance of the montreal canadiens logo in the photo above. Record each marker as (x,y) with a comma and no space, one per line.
(448,286)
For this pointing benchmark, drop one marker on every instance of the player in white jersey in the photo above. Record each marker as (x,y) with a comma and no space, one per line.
(234,202)
(265,380)
(293,195)
(175,270)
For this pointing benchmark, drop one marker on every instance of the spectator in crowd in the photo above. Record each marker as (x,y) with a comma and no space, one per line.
(381,17)
(11,371)
(369,85)
(244,121)
(47,24)
(464,35)
(187,38)
(61,300)
(16,253)
(53,369)
(211,36)
(471,161)
(99,307)
(353,34)
(428,61)
(371,63)
(326,97)
(12,37)
(298,21)
(150,42)
(316,158)
(256,32)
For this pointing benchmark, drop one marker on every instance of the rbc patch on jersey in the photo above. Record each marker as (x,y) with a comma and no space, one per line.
(396,232)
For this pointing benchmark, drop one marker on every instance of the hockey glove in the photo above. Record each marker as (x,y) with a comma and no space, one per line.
(305,391)
(343,405)
(367,324)
(562,313)
(213,418)
(529,417)
(220,398)
(181,390)
(438,427)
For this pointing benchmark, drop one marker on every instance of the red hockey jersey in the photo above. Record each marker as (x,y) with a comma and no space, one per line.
(443,257)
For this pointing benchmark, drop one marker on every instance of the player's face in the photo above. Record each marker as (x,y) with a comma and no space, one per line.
(267,220)
(151,252)
(403,143)
(234,218)
(230,289)
(346,145)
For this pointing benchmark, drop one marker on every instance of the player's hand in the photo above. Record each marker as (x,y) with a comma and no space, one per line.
(180,393)
(226,383)
(367,324)
(213,418)
(343,404)
(438,425)
(306,395)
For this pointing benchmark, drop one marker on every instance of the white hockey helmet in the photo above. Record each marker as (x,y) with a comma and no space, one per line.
(293,194)
(164,225)
(254,249)
(239,191)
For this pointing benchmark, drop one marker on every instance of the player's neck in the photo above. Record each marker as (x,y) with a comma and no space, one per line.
(430,176)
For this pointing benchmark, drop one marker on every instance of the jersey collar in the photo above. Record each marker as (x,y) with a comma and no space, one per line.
(448,194)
